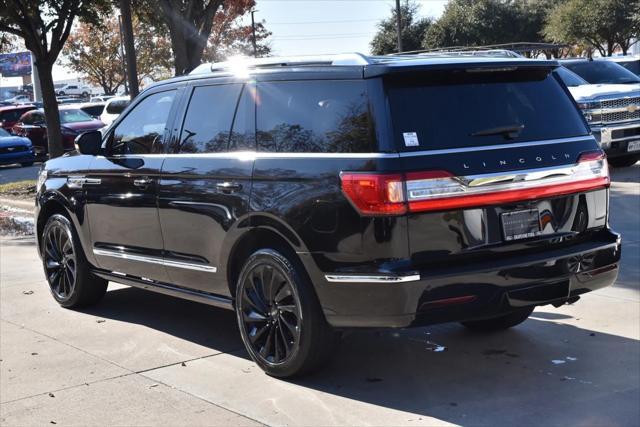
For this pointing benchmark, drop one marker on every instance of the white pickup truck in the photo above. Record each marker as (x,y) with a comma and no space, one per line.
(613,113)
(73,89)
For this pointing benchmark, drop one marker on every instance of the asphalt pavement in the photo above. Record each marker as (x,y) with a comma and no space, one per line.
(13,173)
(140,358)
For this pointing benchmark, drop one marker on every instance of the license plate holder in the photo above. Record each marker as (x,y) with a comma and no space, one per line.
(521,224)
(633,146)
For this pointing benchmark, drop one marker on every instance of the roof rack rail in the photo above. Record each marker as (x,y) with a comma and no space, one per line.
(289,61)
(459,52)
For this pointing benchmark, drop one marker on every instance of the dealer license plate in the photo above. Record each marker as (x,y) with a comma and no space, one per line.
(520,224)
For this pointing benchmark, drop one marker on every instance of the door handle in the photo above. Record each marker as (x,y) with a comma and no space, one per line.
(142,182)
(228,187)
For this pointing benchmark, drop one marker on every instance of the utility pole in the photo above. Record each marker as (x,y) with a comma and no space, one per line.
(127,30)
(399,25)
(253,32)
(124,64)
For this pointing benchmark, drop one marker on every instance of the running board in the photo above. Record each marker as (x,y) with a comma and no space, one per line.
(163,288)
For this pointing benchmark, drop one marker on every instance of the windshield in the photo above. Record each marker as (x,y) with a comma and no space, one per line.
(442,110)
(570,78)
(73,116)
(602,72)
(4,133)
(633,66)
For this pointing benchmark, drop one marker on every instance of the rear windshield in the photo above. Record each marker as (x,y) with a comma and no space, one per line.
(602,72)
(458,109)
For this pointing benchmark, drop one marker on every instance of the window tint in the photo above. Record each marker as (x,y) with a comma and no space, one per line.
(142,130)
(633,66)
(13,115)
(208,120)
(570,78)
(243,134)
(458,109)
(314,116)
(602,72)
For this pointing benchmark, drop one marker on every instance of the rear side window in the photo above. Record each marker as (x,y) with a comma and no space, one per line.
(207,124)
(442,110)
(314,117)
(12,115)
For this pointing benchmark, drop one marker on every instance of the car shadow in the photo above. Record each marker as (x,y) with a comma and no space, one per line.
(540,373)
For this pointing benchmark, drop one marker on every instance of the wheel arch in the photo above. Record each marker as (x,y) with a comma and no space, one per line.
(269,234)
(50,203)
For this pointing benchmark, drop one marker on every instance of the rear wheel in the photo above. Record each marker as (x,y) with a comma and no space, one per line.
(280,319)
(500,323)
(624,161)
(71,282)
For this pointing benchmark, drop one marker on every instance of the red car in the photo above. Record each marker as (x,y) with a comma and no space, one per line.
(73,120)
(10,115)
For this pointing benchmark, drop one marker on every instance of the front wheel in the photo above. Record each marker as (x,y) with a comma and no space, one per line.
(71,282)
(624,161)
(500,323)
(280,319)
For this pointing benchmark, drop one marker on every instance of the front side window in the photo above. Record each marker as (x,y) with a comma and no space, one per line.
(207,124)
(314,117)
(142,130)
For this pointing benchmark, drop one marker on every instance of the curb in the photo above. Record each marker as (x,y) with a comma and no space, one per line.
(26,205)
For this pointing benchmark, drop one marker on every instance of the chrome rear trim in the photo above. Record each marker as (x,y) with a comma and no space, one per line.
(348,278)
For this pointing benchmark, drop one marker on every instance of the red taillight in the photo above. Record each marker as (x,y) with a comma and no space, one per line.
(395,194)
(375,194)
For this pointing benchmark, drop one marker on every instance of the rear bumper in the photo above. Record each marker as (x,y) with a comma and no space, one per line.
(615,139)
(471,291)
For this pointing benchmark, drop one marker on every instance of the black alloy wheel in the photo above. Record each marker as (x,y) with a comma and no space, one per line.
(60,261)
(271,313)
(280,318)
(67,270)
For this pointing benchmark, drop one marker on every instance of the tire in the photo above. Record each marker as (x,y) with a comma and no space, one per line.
(500,323)
(61,93)
(624,161)
(279,316)
(85,94)
(26,164)
(70,281)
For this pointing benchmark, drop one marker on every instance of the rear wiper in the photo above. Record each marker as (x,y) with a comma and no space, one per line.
(509,131)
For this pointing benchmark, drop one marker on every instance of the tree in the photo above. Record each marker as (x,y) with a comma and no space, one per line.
(94,51)
(201,29)
(44,25)
(486,22)
(413,30)
(598,24)
(229,37)
(8,43)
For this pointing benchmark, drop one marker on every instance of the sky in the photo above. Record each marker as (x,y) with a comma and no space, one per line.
(303,27)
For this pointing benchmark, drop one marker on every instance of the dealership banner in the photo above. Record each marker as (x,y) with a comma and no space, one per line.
(15,64)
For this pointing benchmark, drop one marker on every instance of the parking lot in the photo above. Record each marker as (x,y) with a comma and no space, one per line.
(142,358)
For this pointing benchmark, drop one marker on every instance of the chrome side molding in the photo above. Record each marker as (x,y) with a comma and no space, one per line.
(154,260)
(356,278)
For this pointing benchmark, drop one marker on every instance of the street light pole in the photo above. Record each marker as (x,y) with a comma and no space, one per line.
(253,32)
(399,25)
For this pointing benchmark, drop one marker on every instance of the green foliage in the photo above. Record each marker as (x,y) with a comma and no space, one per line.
(597,24)
(485,22)
(413,30)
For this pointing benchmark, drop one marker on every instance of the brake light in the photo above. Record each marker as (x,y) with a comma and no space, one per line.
(375,194)
(396,194)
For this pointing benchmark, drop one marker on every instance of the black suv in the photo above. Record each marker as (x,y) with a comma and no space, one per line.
(316,194)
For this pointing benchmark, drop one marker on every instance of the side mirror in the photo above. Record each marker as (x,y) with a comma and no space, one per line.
(89,143)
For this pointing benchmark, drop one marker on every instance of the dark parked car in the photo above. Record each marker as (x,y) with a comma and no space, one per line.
(72,119)
(15,149)
(318,194)
(596,72)
(9,116)
(631,63)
